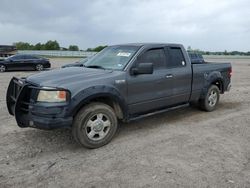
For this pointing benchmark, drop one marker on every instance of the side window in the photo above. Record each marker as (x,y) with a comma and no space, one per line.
(29,57)
(155,56)
(176,58)
(24,57)
(17,57)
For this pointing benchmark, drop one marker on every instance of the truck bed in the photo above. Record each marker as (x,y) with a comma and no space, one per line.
(201,74)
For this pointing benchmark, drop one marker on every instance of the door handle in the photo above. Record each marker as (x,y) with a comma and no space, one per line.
(169,76)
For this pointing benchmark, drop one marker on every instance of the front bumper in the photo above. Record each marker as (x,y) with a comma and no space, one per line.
(21,102)
(48,122)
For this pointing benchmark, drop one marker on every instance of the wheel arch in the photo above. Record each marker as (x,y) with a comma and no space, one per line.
(4,64)
(214,78)
(103,94)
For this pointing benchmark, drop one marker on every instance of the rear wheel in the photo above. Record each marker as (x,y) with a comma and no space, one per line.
(39,67)
(95,125)
(2,68)
(211,99)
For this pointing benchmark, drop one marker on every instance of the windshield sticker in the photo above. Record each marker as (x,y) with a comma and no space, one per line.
(124,54)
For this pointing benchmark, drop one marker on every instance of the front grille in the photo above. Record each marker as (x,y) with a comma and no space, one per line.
(25,100)
(13,92)
(17,86)
(19,96)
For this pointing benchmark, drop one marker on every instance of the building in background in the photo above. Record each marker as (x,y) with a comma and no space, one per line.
(7,50)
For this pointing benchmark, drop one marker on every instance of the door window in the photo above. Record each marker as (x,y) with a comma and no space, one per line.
(16,57)
(155,56)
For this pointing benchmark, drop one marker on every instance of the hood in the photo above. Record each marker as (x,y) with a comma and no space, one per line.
(66,77)
(73,65)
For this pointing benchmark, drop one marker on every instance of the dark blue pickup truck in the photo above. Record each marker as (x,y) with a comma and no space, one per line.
(196,57)
(122,82)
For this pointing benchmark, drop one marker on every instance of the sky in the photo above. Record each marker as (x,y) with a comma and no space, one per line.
(214,25)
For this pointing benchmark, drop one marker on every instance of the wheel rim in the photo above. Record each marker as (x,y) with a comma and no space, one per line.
(212,98)
(98,126)
(2,68)
(39,67)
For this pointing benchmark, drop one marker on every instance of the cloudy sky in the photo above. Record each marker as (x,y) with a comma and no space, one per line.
(207,25)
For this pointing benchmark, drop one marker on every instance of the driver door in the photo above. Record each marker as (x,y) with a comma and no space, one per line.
(17,62)
(147,92)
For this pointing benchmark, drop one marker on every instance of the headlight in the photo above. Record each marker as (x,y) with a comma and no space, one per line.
(52,96)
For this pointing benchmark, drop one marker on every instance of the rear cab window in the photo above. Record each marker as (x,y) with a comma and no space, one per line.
(175,57)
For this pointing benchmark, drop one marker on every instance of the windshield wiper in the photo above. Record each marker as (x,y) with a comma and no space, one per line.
(94,66)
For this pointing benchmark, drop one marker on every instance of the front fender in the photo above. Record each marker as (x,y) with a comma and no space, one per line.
(88,94)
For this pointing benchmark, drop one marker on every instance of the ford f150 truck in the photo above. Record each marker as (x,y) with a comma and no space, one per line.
(120,83)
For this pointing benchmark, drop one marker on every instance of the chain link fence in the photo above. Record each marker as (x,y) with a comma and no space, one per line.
(59,53)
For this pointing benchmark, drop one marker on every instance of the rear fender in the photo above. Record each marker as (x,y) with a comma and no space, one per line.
(209,79)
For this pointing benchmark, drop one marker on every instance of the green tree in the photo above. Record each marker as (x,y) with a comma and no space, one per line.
(99,48)
(73,48)
(96,49)
(52,45)
(38,46)
(23,46)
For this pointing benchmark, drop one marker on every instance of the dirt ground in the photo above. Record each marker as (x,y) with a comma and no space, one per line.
(182,148)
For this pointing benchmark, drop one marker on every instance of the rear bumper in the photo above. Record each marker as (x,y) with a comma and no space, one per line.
(21,103)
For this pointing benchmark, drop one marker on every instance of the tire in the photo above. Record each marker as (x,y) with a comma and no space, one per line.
(94,125)
(39,67)
(2,68)
(211,100)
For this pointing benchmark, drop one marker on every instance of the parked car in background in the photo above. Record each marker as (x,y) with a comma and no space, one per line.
(7,50)
(196,57)
(24,62)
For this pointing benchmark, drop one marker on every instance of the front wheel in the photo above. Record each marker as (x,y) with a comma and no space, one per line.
(39,67)
(94,125)
(2,68)
(211,99)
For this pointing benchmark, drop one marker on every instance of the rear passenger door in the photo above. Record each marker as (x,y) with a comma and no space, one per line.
(29,62)
(181,74)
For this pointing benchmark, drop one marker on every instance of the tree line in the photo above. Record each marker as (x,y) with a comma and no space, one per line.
(218,53)
(52,45)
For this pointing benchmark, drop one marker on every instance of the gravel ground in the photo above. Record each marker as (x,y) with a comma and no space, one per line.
(182,148)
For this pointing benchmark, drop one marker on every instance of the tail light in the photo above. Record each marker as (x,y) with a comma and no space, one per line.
(230,72)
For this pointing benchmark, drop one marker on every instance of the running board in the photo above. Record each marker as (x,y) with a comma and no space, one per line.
(158,112)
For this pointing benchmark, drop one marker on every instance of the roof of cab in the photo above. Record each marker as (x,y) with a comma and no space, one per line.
(149,44)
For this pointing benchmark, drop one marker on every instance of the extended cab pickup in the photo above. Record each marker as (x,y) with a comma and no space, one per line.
(122,82)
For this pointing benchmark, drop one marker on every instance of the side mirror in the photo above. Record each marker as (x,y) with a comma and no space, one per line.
(142,68)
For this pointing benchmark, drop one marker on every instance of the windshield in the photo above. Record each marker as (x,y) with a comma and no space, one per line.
(82,60)
(113,57)
(10,57)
